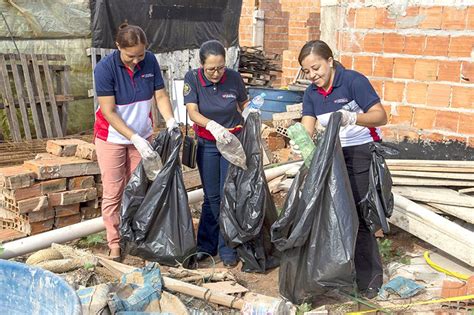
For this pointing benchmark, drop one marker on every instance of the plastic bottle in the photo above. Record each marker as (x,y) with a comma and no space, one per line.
(233,152)
(255,103)
(152,167)
(300,136)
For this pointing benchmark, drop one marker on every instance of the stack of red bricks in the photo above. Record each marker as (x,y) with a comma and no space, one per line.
(56,189)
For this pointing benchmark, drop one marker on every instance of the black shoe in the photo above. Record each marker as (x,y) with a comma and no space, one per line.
(369,293)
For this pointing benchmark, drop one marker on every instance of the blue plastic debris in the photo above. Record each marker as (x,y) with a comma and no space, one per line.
(401,286)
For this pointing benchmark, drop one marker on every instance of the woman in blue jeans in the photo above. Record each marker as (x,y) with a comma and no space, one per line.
(215,97)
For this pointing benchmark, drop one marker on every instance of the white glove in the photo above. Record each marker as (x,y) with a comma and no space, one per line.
(143,147)
(171,124)
(221,134)
(248,110)
(295,149)
(348,118)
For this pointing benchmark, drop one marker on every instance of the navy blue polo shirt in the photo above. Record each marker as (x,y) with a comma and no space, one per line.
(216,101)
(133,92)
(352,91)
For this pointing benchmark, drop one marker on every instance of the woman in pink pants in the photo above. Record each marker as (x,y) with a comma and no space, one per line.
(127,83)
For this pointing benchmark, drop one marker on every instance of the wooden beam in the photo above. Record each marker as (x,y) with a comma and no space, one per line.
(445,175)
(463,213)
(413,181)
(444,196)
(438,163)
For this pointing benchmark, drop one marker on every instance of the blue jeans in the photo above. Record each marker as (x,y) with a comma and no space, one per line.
(213,170)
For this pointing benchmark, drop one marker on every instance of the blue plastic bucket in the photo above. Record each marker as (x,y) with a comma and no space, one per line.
(31,290)
(276,100)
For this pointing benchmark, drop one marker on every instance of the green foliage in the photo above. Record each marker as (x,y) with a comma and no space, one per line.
(89,266)
(390,254)
(1,249)
(93,240)
(301,309)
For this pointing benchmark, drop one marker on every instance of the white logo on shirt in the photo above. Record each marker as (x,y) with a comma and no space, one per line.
(341,100)
(148,75)
(228,95)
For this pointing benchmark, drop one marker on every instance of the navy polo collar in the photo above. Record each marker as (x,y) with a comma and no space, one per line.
(337,78)
(121,64)
(205,81)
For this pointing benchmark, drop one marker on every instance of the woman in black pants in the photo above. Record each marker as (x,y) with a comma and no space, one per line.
(335,88)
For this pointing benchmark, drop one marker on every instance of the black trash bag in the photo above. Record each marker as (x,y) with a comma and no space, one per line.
(155,219)
(377,205)
(247,208)
(317,229)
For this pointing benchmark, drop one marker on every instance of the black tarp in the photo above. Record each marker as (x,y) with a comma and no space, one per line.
(155,219)
(317,229)
(247,207)
(169,25)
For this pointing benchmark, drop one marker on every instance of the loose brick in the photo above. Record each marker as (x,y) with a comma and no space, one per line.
(62,167)
(439,95)
(43,226)
(86,151)
(81,182)
(424,118)
(467,71)
(383,67)
(72,197)
(60,222)
(393,91)
(53,185)
(14,177)
(365,17)
(426,70)
(466,124)
(402,116)
(41,215)
(32,204)
(432,17)
(404,68)
(363,64)
(23,193)
(449,71)
(64,211)
(454,18)
(448,121)
(414,45)
(383,20)
(416,93)
(463,97)
(461,46)
(63,147)
(436,45)
(373,42)
(393,43)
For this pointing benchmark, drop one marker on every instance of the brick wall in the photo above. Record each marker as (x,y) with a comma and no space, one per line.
(420,60)
(289,24)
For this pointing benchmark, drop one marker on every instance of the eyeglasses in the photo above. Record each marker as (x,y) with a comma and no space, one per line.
(215,69)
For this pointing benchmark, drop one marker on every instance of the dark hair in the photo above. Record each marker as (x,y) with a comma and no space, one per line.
(211,47)
(130,35)
(318,48)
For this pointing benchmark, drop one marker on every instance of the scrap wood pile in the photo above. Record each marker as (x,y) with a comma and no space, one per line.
(257,67)
(56,189)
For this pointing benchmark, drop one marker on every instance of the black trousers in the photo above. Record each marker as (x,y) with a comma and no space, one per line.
(368,263)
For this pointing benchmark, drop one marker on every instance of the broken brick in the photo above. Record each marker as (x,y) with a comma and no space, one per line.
(81,182)
(14,177)
(63,147)
(48,168)
(86,151)
(72,197)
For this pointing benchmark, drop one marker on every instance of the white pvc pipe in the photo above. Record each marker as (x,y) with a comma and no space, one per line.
(66,234)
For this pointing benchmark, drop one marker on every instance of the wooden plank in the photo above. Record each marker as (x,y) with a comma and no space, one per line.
(437,195)
(462,176)
(21,100)
(52,57)
(434,229)
(60,99)
(52,100)
(463,213)
(431,163)
(64,108)
(225,287)
(431,169)
(413,181)
(10,110)
(39,87)
(466,190)
(31,96)
(93,54)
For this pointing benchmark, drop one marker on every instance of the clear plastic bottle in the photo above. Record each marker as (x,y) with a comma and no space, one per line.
(256,103)
(300,136)
(233,152)
(152,167)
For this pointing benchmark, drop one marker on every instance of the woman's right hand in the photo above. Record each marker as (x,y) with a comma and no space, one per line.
(143,147)
(220,133)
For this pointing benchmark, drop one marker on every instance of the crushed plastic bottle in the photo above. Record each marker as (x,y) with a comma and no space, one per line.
(300,136)
(152,167)
(233,152)
(255,104)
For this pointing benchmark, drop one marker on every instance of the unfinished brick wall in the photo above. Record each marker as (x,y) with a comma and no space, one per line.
(420,60)
(289,24)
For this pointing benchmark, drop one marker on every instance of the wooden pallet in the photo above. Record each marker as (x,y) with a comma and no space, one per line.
(36,87)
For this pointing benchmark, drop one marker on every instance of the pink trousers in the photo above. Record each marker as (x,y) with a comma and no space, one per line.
(116,162)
